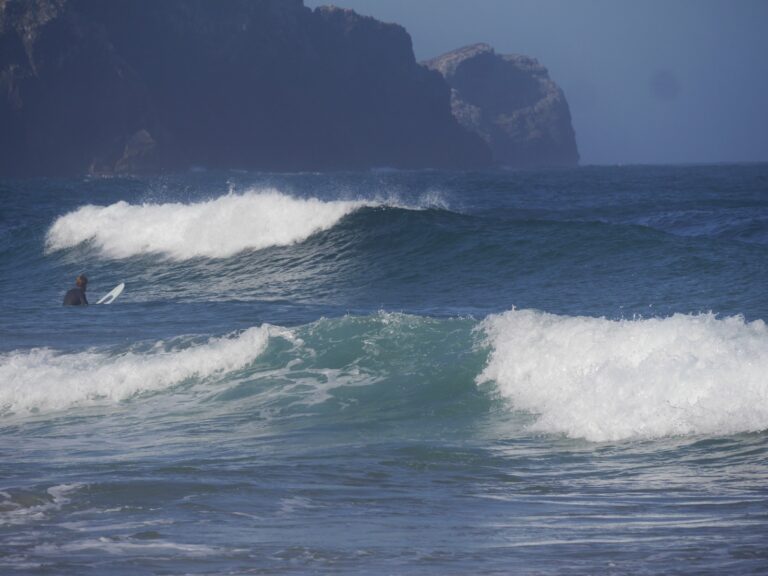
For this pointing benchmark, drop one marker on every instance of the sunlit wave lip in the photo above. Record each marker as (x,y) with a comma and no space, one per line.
(217,228)
(312,371)
(44,380)
(606,380)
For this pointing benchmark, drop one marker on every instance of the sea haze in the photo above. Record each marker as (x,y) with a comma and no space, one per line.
(541,372)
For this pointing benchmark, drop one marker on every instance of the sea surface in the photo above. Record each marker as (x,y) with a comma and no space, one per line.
(544,372)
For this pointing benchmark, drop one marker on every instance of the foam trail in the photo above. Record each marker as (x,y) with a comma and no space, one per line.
(215,228)
(12,512)
(44,380)
(610,380)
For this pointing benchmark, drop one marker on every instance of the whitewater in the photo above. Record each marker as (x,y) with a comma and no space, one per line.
(387,372)
(217,228)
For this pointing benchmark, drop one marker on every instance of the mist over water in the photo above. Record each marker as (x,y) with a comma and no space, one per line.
(387,372)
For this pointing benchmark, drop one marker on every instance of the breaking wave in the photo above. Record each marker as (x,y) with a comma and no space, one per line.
(592,378)
(217,228)
(607,380)
(42,380)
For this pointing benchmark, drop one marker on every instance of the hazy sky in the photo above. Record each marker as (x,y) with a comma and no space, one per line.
(648,81)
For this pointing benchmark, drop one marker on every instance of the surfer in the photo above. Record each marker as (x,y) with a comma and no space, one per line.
(76,295)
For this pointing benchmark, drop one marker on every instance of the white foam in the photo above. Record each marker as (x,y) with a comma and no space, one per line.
(120,547)
(12,512)
(42,380)
(610,380)
(216,228)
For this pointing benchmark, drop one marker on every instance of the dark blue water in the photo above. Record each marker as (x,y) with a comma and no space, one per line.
(387,372)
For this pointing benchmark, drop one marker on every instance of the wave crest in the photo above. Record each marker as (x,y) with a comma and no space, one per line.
(609,380)
(42,380)
(217,228)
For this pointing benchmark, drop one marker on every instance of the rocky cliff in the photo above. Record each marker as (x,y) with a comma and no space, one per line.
(139,85)
(511,102)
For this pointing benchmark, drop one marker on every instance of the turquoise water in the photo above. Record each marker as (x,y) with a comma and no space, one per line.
(387,373)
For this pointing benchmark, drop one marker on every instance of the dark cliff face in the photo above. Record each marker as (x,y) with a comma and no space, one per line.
(142,85)
(65,95)
(510,101)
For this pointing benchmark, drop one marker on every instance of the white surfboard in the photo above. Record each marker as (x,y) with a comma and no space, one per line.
(115,292)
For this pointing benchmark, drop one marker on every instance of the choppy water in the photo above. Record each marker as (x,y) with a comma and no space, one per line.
(390,373)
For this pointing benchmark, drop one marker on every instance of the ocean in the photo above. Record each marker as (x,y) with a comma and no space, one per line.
(538,372)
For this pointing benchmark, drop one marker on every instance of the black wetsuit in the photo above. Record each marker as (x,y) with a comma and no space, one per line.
(75,297)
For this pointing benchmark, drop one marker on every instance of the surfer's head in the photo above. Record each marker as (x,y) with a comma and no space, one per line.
(81,281)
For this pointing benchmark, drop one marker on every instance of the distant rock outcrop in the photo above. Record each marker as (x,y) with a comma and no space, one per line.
(510,101)
(124,86)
